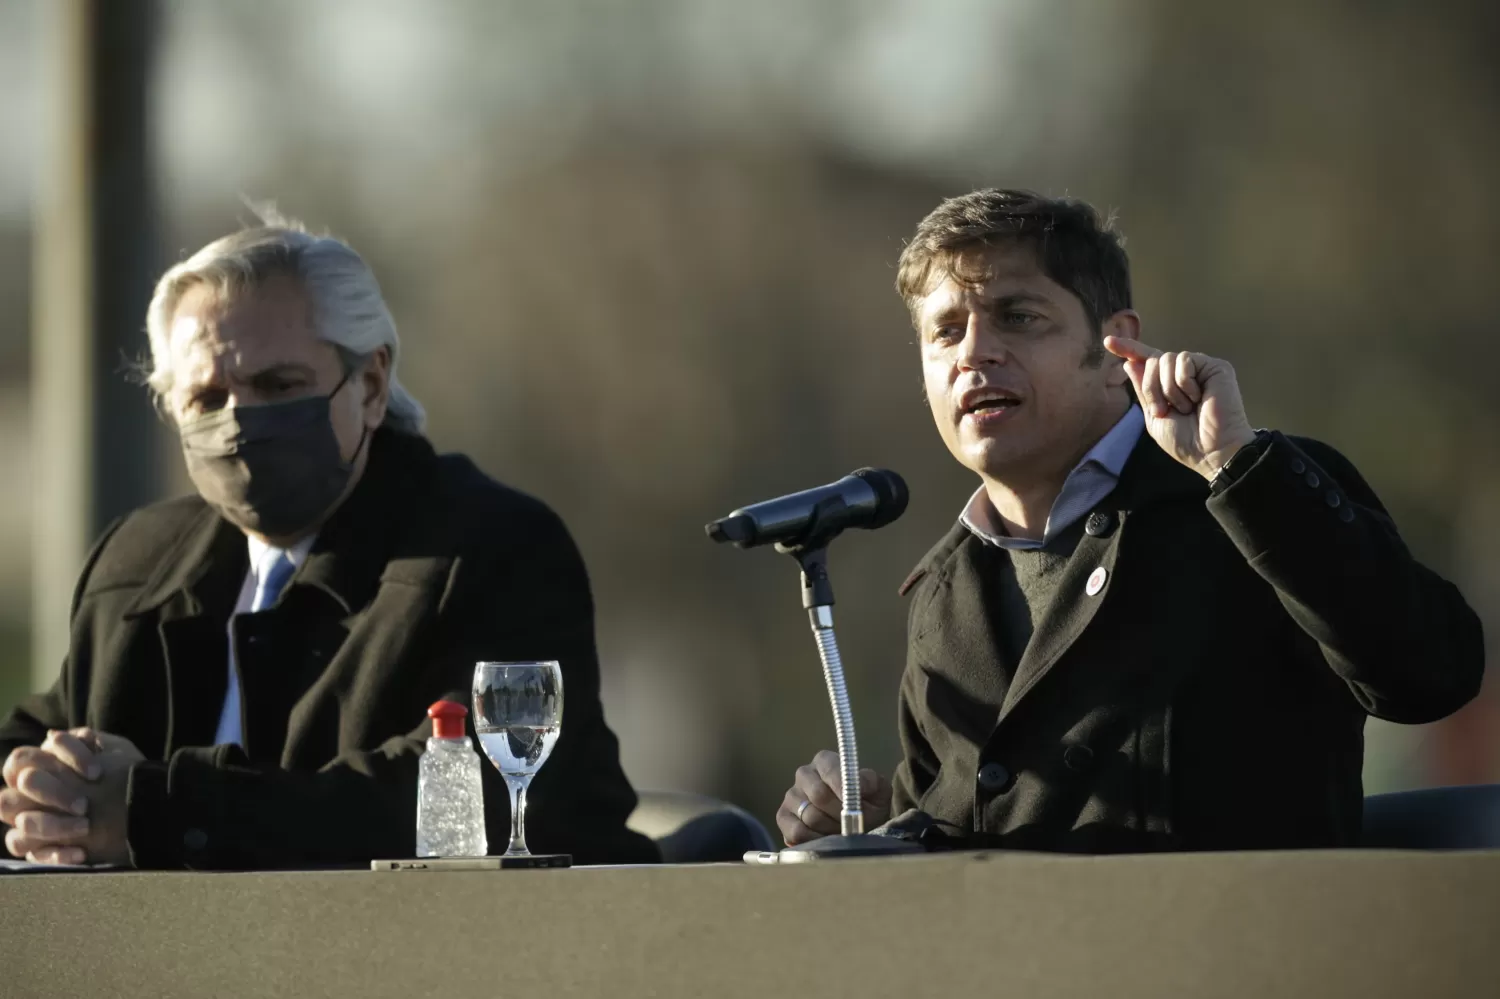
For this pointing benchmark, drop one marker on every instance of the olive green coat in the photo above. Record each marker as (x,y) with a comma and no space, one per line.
(1211,695)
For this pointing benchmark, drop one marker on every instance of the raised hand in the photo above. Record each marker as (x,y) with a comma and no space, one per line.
(1192,403)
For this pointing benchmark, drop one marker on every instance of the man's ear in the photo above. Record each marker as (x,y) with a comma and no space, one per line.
(1125,324)
(376,380)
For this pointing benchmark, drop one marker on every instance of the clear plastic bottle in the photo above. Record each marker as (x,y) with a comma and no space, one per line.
(450,798)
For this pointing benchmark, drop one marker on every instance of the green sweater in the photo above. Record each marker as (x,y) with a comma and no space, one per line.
(1028,582)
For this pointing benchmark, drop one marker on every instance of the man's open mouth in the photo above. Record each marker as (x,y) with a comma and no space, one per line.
(987,402)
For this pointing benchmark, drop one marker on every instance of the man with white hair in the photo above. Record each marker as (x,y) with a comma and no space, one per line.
(249,667)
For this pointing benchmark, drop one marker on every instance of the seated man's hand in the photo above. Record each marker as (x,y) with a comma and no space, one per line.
(811,807)
(65,800)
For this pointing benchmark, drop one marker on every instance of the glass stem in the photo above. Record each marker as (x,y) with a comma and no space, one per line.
(517,787)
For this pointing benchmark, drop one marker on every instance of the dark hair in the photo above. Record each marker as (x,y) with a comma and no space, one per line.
(1073,245)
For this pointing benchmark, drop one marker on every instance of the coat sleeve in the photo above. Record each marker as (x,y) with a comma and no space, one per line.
(1398,634)
(28,722)
(209,807)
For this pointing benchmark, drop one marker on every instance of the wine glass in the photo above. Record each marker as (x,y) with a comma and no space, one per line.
(518,717)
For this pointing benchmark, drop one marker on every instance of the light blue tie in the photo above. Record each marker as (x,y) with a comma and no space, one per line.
(276,570)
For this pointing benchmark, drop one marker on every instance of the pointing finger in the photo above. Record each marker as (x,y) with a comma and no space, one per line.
(1131,350)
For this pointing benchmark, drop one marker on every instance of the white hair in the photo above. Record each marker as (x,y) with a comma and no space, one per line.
(348,309)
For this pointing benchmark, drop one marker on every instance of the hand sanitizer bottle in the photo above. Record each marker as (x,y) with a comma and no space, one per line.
(450,800)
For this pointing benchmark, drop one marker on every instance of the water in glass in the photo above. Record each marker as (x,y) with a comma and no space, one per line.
(518,717)
(519,749)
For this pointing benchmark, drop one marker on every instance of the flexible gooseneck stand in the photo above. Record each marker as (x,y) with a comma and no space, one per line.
(853,841)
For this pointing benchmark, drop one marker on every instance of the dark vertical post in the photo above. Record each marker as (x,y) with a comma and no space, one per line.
(126,257)
(96,450)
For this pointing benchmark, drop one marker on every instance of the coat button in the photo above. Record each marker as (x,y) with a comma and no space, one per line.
(1099,524)
(1347,515)
(195,839)
(1312,480)
(1298,467)
(1333,499)
(1079,758)
(993,777)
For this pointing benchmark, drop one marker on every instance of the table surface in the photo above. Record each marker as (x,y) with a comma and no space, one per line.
(1317,924)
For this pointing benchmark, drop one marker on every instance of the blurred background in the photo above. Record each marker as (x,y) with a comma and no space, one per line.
(641,255)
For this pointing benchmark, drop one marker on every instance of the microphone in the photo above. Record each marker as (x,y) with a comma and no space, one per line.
(802,525)
(868,498)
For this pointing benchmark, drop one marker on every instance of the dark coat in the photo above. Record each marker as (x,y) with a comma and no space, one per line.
(428,567)
(1211,696)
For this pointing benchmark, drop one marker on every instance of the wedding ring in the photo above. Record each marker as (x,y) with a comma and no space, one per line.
(802,808)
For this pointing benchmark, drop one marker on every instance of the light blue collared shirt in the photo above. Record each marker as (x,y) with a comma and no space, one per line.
(1092,479)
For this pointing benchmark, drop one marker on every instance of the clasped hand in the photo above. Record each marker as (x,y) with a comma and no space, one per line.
(65,799)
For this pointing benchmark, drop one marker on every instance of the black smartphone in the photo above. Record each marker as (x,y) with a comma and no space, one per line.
(533,862)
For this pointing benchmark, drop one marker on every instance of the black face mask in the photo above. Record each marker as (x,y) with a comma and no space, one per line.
(273,469)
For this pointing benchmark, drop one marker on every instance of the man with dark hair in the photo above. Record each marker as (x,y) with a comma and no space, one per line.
(1153,627)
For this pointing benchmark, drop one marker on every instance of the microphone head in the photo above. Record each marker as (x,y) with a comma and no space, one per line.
(736,527)
(891,494)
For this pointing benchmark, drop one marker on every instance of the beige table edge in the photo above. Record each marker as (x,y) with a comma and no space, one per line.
(1315,924)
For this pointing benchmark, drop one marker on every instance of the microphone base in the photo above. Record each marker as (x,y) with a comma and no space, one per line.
(837,847)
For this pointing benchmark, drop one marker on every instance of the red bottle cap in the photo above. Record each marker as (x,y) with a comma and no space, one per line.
(447,719)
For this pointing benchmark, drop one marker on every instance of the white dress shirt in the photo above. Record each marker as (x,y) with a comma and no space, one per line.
(262,556)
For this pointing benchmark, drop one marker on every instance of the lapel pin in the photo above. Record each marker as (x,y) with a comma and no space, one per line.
(1096,581)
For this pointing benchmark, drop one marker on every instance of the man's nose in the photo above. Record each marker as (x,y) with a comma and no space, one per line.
(981,345)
